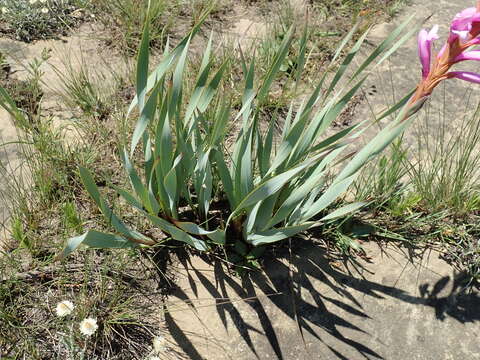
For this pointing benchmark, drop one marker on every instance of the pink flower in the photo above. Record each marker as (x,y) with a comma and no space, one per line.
(425,40)
(464,33)
(463,24)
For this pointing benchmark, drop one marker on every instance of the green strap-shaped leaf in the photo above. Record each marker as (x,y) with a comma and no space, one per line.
(248,94)
(142,66)
(298,195)
(203,182)
(266,150)
(375,146)
(197,93)
(131,199)
(111,218)
(208,94)
(178,234)
(277,63)
(146,115)
(96,239)
(220,126)
(385,44)
(271,186)
(344,210)
(165,65)
(141,190)
(346,62)
(169,58)
(9,105)
(171,186)
(274,235)
(301,56)
(225,177)
(177,83)
(217,236)
(330,195)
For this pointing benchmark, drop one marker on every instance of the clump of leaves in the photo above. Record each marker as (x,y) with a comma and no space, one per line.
(29,20)
(273,191)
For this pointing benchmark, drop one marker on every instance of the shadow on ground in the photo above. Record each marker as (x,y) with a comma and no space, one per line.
(303,306)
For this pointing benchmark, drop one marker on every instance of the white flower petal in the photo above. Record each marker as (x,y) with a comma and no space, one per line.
(159,344)
(88,326)
(64,308)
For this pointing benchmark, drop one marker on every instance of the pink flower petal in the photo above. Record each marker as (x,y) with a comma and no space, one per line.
(468,55)
(462,25)
(425,40)
(465,75)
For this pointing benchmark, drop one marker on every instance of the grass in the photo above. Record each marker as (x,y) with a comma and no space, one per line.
(124,19)
(101,286)
(419,196)
(30,20)
(444,167)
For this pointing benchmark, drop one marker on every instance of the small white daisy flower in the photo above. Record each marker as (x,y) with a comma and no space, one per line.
(64,308)
(159,344)
(33,2)
(88,326)
(4,10)
(44,10)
